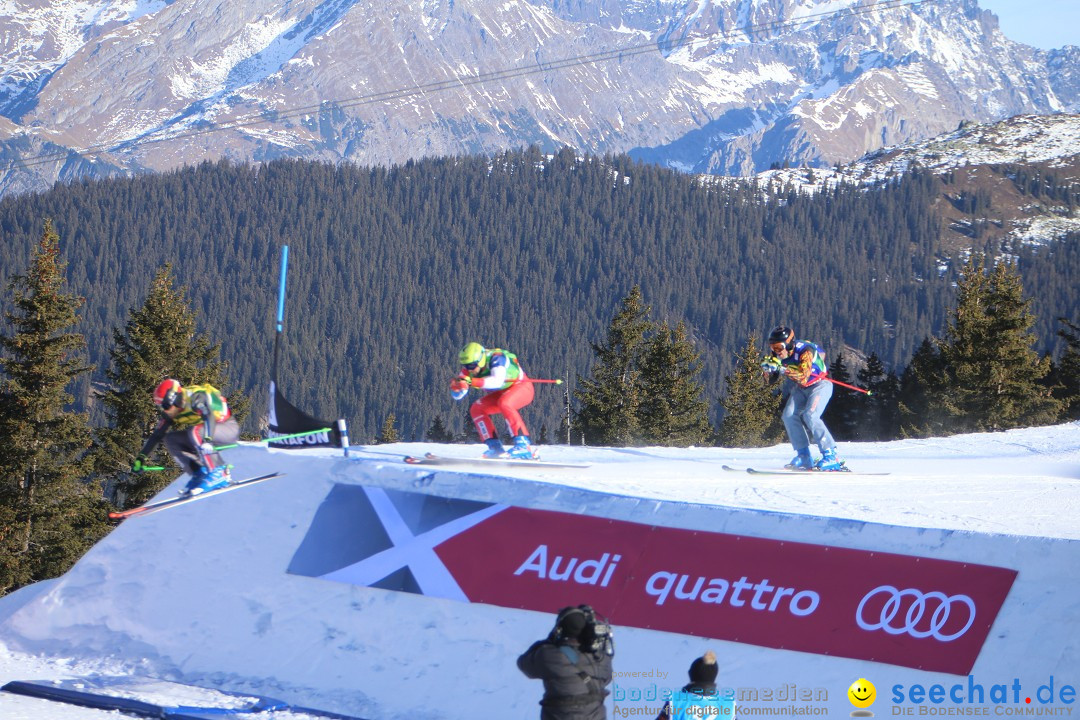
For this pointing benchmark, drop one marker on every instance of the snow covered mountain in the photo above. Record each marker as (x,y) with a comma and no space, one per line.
(721,86)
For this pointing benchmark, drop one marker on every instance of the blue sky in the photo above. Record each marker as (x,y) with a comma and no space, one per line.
(1043,23)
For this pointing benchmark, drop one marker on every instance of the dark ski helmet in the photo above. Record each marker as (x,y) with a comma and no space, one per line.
(167,394)
(783,335)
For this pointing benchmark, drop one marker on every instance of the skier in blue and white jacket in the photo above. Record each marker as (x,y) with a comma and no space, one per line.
(803,363)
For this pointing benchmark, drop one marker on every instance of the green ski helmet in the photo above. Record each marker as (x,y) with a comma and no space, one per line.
(473,355)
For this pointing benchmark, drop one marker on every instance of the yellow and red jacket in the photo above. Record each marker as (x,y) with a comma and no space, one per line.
(806,364)
(201,402)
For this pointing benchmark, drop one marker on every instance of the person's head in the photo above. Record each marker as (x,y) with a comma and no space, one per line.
(570,623)
(169,396)
(704,670)
(782,341)
(472,357)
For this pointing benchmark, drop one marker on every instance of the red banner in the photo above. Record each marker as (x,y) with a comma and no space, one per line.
(899,609)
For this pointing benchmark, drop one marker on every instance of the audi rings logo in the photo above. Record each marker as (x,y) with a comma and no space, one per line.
(891,620)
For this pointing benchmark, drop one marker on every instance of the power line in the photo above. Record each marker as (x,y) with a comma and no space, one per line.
(385,96)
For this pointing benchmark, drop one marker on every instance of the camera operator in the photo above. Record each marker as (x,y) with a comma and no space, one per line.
(574,662)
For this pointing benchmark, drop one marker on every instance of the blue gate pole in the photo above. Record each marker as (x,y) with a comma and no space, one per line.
(281,287)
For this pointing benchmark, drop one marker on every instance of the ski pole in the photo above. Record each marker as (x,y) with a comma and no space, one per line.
(849,387)
(539,380)
(275,438)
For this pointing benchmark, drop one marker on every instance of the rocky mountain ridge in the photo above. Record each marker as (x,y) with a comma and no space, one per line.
(984,196)
(727,87)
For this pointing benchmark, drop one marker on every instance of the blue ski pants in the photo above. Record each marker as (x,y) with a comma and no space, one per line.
(802,416)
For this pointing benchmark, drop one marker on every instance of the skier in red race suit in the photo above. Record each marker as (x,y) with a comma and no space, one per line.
(506,390)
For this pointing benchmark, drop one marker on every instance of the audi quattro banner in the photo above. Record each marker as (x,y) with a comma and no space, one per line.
(904,610)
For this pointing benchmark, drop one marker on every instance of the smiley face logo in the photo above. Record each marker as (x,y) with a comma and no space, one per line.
(862,693)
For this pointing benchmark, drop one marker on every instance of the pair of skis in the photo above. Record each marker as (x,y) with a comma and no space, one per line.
(789,471)
(428,459)
(154,507)
(432,459)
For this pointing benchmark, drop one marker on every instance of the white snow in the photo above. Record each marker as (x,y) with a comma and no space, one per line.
(914,76)
(198,595)
(1039,229)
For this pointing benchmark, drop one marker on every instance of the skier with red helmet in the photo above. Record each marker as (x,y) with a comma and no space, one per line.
(193,420)
(506,390)
(803,363)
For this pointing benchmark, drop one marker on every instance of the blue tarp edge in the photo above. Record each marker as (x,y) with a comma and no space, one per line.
(84,699)
(151,710)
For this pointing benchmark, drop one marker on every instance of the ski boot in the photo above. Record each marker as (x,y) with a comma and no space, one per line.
(194,483)
(522,450)
(802,461)
(495,449)
(829,462)
(207,480)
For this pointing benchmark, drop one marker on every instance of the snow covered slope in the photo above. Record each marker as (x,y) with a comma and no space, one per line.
(251,591)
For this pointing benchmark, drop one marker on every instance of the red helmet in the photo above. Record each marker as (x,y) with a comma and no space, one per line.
(167,394)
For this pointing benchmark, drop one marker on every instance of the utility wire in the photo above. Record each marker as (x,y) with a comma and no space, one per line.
(469,81)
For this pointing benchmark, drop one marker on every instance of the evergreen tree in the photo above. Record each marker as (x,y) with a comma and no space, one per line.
(389,433)
(468,432)
(922,385)
(158,341)
(672,412)
(846,411)
(881,420)
(608,414)
(1067,372)
(993,371)
(48,515)
(438,432)
(751,416)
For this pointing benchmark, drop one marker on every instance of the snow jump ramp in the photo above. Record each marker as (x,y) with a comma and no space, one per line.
(367,587)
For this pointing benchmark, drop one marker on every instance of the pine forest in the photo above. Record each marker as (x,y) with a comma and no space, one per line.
(393,270)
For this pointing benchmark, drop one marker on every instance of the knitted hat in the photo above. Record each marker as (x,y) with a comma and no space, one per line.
(571,621)
(704,669)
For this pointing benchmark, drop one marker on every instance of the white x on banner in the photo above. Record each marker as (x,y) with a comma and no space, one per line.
(417,552)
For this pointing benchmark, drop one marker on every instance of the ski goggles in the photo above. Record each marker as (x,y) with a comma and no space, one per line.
(170,400)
